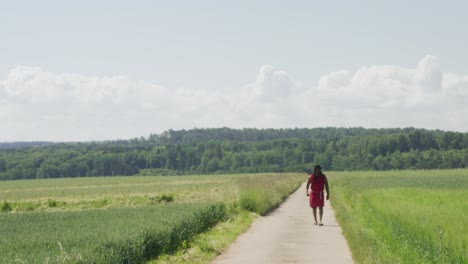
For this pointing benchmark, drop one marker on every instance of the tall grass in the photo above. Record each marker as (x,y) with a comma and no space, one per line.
(262,193)
(403,216)
(129,235)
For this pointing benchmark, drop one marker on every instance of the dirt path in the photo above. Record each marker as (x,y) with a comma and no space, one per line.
(287,235)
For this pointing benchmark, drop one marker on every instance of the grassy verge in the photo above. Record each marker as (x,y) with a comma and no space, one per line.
(403,217)
(261,194)
(207,246)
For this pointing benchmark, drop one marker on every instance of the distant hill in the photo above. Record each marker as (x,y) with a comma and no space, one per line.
(203,135)
(249,150)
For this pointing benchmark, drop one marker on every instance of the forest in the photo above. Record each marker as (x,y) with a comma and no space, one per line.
(226,150)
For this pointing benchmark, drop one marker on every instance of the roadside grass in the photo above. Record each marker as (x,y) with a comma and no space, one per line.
(258,195)
(261,194)
(206,246)
(403,216)
(132,219)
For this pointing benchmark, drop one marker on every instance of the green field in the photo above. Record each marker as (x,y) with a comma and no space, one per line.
(403,216)
(125,219)
(387,217)
(106,192)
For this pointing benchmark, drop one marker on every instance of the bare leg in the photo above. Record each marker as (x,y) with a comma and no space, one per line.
(321,214)
(314,209)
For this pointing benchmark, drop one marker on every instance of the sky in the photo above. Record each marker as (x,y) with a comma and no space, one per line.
(105,70)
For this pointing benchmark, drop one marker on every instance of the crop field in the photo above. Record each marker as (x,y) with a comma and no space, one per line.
(125,219)
(105,192)
(403,216)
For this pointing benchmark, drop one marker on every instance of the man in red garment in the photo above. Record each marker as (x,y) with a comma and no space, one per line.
(318,180)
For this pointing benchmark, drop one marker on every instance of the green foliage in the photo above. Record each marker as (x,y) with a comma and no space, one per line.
(209,151)
(163,198)
(403,216)
(100,203)
(6,207)
(167,197)
(51,203)
(28,206)
(253,201)
(209,244)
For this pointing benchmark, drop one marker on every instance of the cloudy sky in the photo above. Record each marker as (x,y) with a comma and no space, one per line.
(96,70)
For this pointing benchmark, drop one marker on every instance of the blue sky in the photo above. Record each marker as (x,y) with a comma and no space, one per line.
(92,70)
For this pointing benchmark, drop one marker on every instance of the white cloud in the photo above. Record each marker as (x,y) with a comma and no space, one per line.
(265,102)
(428,74)
(392,96)
(335,80)
(271,85)
(40,105)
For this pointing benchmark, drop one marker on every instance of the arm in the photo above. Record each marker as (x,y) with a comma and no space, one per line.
(326,187)
(307,187)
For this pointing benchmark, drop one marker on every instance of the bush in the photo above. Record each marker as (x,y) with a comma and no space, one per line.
(251,201)
(163,198)
(6,207)
(166,197)
(51,203)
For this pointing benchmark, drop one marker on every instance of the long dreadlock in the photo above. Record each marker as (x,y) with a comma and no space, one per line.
(317,172)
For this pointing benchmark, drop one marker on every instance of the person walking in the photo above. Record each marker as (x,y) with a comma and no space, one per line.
(317,181)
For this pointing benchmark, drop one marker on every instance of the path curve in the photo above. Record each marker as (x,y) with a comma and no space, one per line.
(287,235)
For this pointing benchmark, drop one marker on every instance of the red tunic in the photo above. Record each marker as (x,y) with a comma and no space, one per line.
(316,197)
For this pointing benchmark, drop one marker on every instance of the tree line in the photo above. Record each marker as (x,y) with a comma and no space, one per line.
(225,150)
